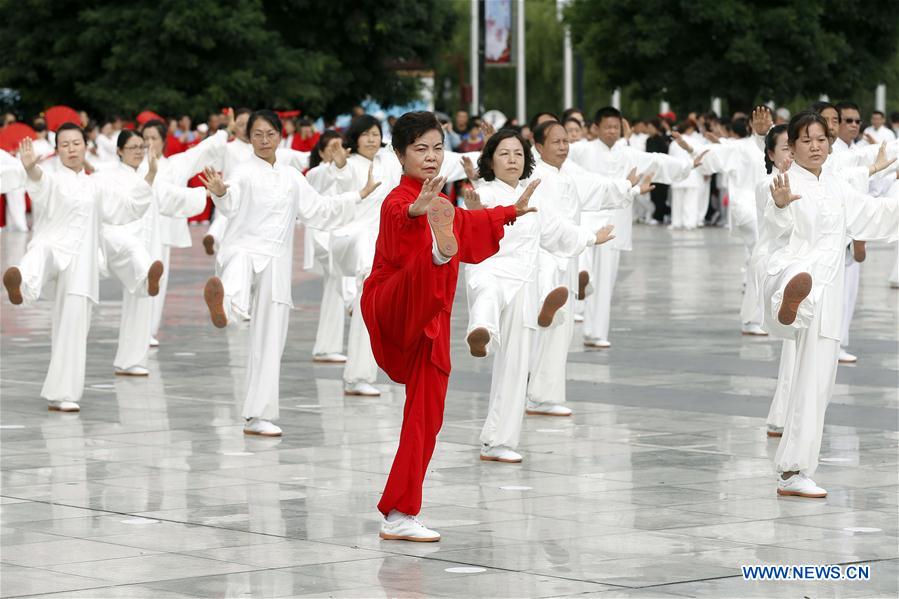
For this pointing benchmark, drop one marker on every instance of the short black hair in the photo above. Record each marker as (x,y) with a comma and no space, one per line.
(160,128)
(543,128)
(873,112)
(411,126)
(70,127)
(315,157)
(568,112)
(266,115)
(802,121)
(841,106)
(820,106)
(485,162)
(532,124)
(606,112)
(124,136)
(740,126)
(360,125)
(242,110)
(771,143)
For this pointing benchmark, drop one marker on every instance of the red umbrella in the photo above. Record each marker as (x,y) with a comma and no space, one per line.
(57,115)
(148,115)
(13,134)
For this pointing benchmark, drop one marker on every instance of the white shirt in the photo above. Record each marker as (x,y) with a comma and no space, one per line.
(743,160)
(883,134)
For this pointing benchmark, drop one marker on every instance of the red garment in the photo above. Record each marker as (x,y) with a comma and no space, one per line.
(304,145)
(206,214)
(406,305)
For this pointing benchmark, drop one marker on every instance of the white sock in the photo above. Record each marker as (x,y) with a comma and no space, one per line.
(394,515)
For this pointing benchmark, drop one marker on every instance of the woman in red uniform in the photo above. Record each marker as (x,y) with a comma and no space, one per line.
(408,298)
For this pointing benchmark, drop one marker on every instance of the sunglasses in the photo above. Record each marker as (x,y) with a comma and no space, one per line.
(851,121)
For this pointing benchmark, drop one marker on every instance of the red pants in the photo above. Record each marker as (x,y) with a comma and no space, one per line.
(402,306)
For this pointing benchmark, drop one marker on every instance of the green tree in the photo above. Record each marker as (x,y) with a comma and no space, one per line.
(742,51)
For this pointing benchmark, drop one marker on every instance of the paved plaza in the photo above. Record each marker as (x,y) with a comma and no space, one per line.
(660,485)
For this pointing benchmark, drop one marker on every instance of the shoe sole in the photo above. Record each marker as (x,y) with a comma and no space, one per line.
(583,279)
(848,361)
(12,280)
(485,458)
(783,493)
(555,299)
(388,537)
(55,409)
(597,346)
(209,245)
(153,276)
(255,434)
(358,394)
(774,434)
(132,374)
(536,413)
(795,292)
(477,342)
(320,361)
(440,216)
(214,295)
(750,334)
(859,252)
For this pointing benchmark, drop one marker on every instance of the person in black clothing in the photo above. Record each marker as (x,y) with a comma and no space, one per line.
(658,142)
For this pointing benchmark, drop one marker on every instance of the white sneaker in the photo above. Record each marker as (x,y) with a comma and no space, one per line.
(361,388)
(578,318)
(547,409)
(753,328)
(333,358)
(799,485)
(154,342)
(500,453)
(263,428)
(847,358)
(132,371)
(593,342)
(63,406)
(407,528)
(775,431)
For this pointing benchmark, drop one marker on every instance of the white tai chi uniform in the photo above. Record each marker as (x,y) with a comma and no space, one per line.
(338,291)
(353,247)
(255,262)
(602,261)
(818,225)
(503,299)
(565,193)
(15,198)
(69,208)
(130,249)
(177,170)
(687,195)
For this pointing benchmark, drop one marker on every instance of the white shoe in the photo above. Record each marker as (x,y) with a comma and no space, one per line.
(63,406)
(799,485)
(361,388)
(753,328)
(500,453)
(652,222)
(154,342)
(847,358)
(333,358)
(132,371)
(578,318)
(775,431)
(600,343)
(263,428)
(547,409)
(407,528)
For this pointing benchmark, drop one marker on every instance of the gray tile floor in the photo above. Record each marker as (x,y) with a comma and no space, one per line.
(659,486)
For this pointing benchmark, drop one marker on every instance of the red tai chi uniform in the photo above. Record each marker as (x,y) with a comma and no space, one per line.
(406,304)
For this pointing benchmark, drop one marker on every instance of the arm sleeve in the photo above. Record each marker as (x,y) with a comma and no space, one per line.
(667,169)
(596,192)
(869,218)
(480,231)
(119,206)
(452,167)
(561,237)
(319,177)
(295,158)
(176,200)
(12,173)
(324,212)
(778,220)
(229,204)
(41,191)
(184,165)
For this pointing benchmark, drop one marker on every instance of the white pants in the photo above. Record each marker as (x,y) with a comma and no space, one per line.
(813,378)
(268,332)
(70,323)
(510,342)
(130,265)
(598,305)
(15,211)
(218,226)
(850,294)
(546,383)
(751,307)
(332,316)
(159,300)
(354,255)
(701,203)
(894,276)
(682,207)
(777,415)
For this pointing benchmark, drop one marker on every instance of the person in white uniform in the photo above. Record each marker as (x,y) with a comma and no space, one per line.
(565,190)
(16,219)
(803,285)
(134,251)
(503,290)
(262,201)
(605,155)
(69,209)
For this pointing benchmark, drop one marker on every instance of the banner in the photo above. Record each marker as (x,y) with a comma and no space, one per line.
(498,31)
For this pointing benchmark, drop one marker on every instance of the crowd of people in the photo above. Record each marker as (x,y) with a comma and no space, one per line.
(538,213)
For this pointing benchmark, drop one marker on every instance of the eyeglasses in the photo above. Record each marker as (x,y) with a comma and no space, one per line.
(851,121)
(259,136)
(133,148)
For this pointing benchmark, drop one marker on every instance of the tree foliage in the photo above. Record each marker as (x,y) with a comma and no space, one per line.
(194,56)
(744,51)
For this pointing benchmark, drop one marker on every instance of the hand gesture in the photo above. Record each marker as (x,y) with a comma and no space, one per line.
(870,139)
(712,137)
(370,183)
(604,234)
(430,189)
(646,182)
(521,206)
(338,154)
(232,123)
(785,164)
(698,160)
(26,154)
(625,129)
(487,130)
(471,170)
(632,177)
(472,199)
(780,191)
(881,162)
(212,180)
(679,140)
(761,120)
(153,167)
